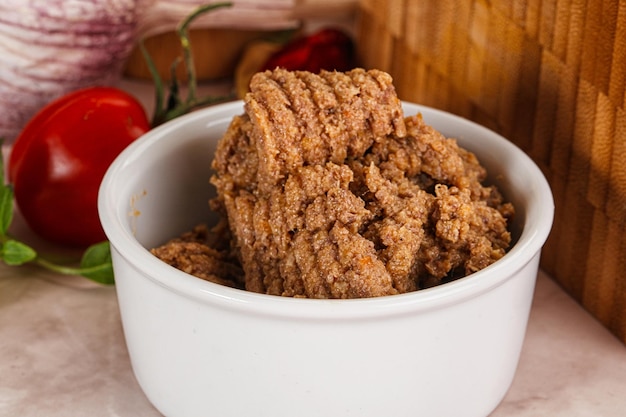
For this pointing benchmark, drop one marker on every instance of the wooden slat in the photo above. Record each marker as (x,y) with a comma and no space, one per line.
(598,287)
(503,7)
(405,76)
(618,315)
(576,35)
(551,252)
(562,28)
(579,164)
(551,76)
(478,34)
(527,94)
(593,21)
(601,152)
(457,64)
(493,63)
(546,107)
(395,17)
(547,23)
(573,241)
(564,122)
(617,81)
(414,15)
(532,21)
(513,44)
(616,199)
(613,296)
(518,12)
(605,44)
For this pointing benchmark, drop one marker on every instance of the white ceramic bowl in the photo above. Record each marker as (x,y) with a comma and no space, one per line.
(201,349)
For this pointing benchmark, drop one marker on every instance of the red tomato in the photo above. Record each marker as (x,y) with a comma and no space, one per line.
(58,161)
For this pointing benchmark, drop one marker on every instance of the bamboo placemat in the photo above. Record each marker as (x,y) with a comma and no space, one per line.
(550,75)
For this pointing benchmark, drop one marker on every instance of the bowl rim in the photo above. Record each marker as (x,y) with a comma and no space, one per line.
(124,245)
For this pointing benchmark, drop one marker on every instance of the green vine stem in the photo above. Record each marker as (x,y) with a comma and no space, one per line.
(175,106)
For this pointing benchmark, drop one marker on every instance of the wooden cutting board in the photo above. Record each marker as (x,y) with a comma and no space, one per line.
(550,75)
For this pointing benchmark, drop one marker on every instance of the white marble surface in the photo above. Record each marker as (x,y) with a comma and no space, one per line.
(62,353)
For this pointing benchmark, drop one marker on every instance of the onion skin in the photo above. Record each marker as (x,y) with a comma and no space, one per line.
(52,47)
(49,48)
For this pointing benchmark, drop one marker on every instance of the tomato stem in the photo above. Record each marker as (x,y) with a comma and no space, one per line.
(175,106)
(156,78)
(95,264)
(62,269)
(183,34)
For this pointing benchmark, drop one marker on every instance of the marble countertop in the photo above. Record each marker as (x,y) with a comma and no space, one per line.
(62,351)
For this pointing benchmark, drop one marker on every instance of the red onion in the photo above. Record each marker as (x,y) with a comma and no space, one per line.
(51,47)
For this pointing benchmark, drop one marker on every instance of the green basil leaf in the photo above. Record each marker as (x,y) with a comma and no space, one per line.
(96,263)
(17,253)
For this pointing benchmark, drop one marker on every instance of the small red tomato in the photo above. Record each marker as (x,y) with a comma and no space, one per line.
(328,49)
(59,159)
